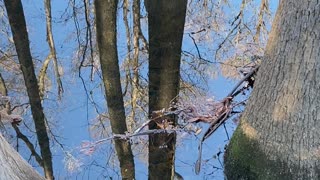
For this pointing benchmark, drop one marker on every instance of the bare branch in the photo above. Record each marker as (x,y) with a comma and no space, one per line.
(227,38)
(7,112)
(42,75)
(50,41)
(89,34)
(224,114)
(25,139)
(260,24)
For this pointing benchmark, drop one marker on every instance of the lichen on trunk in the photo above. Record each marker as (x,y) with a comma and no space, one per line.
(244,159)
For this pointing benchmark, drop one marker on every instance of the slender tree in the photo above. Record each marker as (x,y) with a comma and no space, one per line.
(166,24)
(135,61)
(20,37)
(106,11)
(278,136)
(52,55)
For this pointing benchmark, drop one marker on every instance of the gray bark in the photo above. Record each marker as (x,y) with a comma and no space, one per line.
(278,136)
(13,166)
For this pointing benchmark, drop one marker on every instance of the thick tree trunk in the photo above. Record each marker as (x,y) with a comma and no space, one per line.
(106,11)
(278,136)
(20,36)
(13,166)
(166,23)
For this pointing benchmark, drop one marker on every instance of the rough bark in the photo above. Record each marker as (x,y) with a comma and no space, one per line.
(13,166)
(278,136)
(135,60)
(106,11)
(166,23)
(20,36)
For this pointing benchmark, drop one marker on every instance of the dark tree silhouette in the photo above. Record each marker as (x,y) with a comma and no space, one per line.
(166,24)
(20,37)
(106,12)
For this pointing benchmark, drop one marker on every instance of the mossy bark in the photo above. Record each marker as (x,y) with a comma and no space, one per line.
(278,135)
(244,159)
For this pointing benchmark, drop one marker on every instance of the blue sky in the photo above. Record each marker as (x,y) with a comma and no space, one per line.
(73,114)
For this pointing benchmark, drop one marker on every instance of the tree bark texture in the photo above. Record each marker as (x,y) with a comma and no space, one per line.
(278,135)
(13,166)
(20,36)
(135,61)
(106,11)
(166,24)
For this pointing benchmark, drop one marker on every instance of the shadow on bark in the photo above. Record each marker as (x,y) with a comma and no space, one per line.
(166,24)
(106,25)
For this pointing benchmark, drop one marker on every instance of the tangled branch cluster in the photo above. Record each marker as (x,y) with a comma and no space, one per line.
(5,117)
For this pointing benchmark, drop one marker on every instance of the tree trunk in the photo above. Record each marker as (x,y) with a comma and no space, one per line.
(135,61)
(278,135)
(13,166)
(20,36)
(166,23)
(106,11)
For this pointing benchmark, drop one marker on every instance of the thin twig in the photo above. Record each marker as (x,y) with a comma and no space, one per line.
(227,38)
(128,136)
(214,125)
(25,139)
(225,129)
(195,44)
(242,80)
(20,105)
